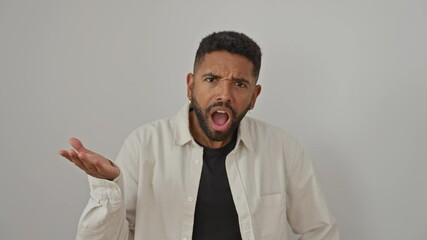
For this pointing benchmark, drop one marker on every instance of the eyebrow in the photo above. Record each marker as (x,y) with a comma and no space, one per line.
(242,80)
(218,76)
(210,75)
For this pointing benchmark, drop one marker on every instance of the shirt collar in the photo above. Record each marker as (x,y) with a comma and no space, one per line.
(183,135)
(182,126)
(244,135)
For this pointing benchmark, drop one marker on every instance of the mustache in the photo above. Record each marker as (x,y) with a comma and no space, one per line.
(221,104)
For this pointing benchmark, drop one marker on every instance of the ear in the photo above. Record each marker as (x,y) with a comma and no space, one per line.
(255,95)
(190,79)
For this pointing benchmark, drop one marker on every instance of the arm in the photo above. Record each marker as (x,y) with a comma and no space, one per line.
(105,214)
(307,211)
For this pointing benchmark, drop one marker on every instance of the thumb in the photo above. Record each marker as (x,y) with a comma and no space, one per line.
(77,144)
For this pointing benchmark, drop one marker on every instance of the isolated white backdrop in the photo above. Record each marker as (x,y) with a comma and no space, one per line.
(347,78)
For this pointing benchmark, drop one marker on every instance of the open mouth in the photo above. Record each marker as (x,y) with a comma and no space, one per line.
(220,119)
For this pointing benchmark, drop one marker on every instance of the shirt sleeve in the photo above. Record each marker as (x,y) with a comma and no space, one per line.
(110,212)
(104,216)
(307,211)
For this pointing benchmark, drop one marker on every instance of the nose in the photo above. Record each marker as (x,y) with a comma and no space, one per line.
(224,91)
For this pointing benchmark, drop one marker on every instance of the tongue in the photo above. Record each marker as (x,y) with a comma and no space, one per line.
(220,118)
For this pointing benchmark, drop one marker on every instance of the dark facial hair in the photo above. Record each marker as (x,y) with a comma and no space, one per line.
(203,116)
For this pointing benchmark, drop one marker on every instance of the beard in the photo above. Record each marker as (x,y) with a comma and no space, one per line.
(203,116)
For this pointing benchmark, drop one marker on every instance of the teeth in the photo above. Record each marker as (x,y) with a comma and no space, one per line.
(220,111)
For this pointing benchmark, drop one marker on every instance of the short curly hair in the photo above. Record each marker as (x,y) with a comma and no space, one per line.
(232,42)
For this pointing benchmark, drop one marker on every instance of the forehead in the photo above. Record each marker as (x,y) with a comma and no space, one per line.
(223,62)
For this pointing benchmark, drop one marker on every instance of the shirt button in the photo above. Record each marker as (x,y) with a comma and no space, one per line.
(190,199)
(197,161)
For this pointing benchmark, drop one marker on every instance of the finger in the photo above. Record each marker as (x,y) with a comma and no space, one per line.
(76,160)
(64,154)
(89,160)
(71,156)
(77,144)
(85,155)
(72,153)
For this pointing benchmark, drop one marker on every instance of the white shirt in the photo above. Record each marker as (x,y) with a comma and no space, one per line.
(154,198)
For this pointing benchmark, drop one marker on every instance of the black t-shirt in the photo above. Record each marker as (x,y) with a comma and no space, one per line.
(215,216)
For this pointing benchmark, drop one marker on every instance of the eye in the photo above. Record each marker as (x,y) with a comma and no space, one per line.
(210,79)
(241,84)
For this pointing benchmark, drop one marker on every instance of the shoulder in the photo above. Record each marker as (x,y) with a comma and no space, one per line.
(164,131)
(149,137)
(259,129)
(148,131)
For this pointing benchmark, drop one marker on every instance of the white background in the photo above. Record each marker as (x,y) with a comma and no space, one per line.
(347,78)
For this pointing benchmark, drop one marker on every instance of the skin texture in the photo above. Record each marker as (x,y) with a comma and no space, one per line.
(221,81)
(225,82)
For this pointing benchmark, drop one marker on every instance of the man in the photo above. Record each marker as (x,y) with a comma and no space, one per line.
(208,172)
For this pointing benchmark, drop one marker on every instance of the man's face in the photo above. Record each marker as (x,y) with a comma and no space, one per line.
(222,90)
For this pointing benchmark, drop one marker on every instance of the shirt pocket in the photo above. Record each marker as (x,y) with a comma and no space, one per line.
(273,216)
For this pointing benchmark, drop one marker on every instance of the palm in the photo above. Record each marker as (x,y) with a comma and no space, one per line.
(92,163)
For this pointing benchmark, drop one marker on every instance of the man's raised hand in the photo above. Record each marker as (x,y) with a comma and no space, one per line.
(92,163)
